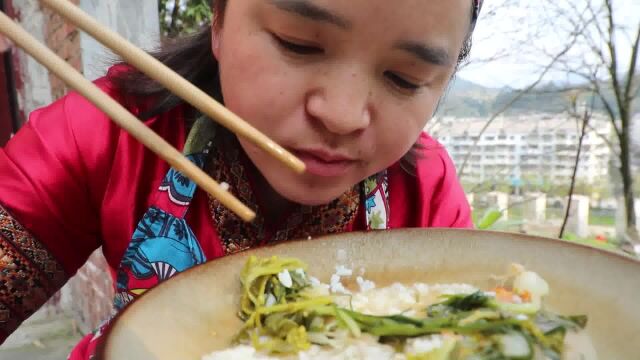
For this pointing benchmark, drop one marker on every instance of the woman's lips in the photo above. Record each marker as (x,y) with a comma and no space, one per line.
(325,163)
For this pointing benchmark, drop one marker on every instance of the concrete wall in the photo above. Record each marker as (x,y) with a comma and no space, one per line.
(136,20)
(33,85)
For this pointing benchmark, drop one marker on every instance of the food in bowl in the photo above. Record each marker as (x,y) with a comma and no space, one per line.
(288,314)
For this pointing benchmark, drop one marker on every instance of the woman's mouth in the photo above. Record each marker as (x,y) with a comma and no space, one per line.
(325,163)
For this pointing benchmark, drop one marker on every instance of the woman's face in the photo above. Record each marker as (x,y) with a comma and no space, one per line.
(347,86)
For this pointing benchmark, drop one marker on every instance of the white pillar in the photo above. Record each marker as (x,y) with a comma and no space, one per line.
(470,199)
(535,207)
(578,222)
(500,201)
(637,205)
(621,218)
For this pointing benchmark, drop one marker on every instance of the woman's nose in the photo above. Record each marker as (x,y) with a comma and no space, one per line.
(341,104)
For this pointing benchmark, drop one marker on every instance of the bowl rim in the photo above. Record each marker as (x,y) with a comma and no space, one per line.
(105,337)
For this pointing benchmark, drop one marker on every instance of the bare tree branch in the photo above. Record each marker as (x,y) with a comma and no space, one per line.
(514,100)
(585,122)
(611,145)
(175,17)
(608,107)
(632,66)
(613,52)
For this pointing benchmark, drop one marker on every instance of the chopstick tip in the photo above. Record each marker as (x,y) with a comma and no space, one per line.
(298,166)
(248,216)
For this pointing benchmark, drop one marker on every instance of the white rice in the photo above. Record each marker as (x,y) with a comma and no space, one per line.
(365,285)
(342,271)
(424,344)
(366,347)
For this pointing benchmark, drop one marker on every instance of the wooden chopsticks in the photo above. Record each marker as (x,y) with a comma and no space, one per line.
(134,126)
(171,80)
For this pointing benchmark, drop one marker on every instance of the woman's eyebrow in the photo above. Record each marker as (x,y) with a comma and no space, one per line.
(430,54)
(311,11)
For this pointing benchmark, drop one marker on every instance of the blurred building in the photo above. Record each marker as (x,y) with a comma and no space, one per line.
(533,147)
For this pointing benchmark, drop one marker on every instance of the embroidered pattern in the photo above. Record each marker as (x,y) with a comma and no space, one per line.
(376,194)
(29,276)
(304,222)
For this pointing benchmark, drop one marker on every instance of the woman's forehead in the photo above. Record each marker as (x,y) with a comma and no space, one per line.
(382,12)
(476,5)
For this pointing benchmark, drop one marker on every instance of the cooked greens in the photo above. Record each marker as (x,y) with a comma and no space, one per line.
(285,313)
(278,306)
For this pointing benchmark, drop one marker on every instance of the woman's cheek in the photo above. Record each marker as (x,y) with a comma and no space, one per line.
(250,86)
(397,137)
(389,149)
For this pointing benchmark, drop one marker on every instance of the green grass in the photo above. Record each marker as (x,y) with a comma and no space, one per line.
(555,213)
(515,214)
(601,220)
(515,218)
(592,242)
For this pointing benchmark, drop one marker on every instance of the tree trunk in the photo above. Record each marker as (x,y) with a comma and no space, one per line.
(583,130)
(627,178)
(175,17)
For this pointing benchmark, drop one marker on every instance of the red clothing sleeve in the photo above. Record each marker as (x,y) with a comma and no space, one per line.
(433,196)
(52,181)
(450,207)
(70,182)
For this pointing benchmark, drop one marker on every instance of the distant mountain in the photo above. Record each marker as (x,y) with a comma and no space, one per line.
(465,98)
(468,99)
(462,86)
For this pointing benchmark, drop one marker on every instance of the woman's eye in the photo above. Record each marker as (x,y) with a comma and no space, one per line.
(296,48)
(400,82)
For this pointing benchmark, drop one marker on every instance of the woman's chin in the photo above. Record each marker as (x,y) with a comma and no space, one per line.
(308,195)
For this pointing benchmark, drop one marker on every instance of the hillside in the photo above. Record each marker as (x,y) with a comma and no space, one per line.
(467,99)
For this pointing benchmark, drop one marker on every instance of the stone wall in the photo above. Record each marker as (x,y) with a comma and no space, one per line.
(64,39)
(33,88)
(89,294)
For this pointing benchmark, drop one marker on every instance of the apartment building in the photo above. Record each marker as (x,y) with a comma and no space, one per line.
(532,148)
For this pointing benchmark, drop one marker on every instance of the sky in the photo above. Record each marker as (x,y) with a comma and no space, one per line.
(502,28)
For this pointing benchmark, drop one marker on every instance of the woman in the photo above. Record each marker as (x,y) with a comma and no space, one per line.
(306,73)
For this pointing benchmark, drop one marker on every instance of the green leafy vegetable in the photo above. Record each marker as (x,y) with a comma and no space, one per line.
(283,314)
(458,303)
(282,320)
